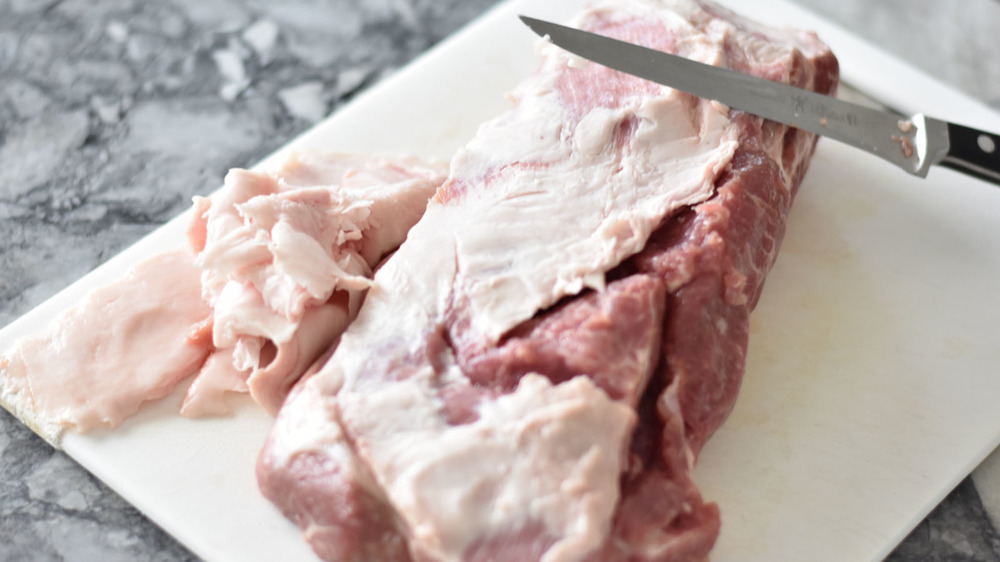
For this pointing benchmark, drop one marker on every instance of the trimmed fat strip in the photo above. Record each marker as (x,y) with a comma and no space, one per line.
(97,363)
(258,245)
(285,257)
(503,395)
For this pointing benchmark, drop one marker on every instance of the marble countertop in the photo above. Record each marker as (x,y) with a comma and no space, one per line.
(113,113)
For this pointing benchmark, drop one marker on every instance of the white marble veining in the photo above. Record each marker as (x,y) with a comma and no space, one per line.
(955,41)
(114,112)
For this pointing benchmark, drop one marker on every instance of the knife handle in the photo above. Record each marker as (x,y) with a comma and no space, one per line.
(973,152)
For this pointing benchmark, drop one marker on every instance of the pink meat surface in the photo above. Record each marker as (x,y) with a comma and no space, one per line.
(285,257)
(280,264)
(119,348)
(533,373)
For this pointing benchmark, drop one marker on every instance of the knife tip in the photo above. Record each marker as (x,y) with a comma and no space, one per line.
(532,23)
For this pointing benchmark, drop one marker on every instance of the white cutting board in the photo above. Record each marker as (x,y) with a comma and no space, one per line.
(871,388)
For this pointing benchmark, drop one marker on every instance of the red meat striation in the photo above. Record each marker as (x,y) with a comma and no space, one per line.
(668,337)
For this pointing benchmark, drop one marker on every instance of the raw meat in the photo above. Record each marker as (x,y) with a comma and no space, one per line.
(533,373)
(285,258)
(101,360)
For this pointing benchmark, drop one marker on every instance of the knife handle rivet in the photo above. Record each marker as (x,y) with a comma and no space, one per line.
(986,144)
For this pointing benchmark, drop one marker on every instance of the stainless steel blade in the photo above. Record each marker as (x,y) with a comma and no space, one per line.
(913,143)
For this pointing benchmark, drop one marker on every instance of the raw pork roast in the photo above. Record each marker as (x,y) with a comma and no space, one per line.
(533,373)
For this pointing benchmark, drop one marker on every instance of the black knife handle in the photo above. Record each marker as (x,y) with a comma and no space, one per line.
(973,152)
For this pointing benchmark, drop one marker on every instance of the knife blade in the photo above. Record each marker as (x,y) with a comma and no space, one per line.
(913,143)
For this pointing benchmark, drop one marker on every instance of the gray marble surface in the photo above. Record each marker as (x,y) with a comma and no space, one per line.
(113,113)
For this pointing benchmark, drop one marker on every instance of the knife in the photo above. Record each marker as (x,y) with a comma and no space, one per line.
(913,143)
